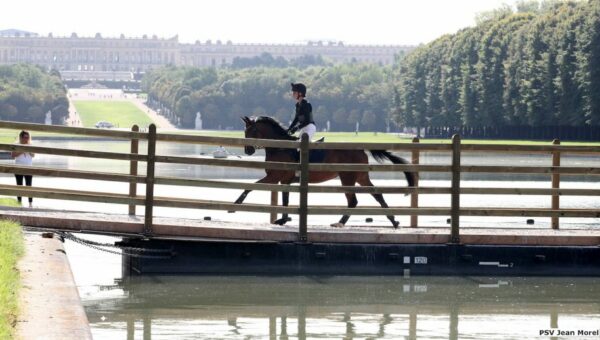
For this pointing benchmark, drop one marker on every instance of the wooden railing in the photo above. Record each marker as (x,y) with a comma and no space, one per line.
(455,169)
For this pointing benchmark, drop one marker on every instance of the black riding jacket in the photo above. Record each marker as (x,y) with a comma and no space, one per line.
(303,115)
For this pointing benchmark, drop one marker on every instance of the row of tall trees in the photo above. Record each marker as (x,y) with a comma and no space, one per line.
(533,66)
(539,65)
(28,92)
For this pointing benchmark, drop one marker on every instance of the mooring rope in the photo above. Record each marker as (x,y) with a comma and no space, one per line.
(129,251)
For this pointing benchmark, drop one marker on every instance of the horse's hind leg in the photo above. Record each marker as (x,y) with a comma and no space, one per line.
(348,179)
(352,203)
(364,181)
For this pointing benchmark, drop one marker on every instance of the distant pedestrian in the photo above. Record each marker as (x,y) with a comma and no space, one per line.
(24,158)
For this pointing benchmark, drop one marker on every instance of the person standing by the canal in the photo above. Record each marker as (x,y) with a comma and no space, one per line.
(303,120)
(24,158)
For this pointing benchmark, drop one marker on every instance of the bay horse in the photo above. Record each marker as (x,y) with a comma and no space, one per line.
(269,128)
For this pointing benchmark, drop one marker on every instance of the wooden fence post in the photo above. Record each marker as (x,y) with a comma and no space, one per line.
(455,190)
(150,180)
(303,207)
(414,197)
(555,184)
(133,170)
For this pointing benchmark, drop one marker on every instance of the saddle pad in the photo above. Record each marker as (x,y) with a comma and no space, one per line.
(314,156)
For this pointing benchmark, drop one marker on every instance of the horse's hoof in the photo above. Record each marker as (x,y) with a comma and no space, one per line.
(337,225)
(281,221)
(396,224)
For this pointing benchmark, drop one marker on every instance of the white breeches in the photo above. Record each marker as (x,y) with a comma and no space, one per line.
(310,130)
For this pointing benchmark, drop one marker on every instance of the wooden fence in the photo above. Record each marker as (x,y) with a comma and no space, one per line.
(455,169)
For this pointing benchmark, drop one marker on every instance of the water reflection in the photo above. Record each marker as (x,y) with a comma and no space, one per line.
(345,307)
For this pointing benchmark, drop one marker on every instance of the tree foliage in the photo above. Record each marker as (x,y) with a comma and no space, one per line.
(27,92)
(341,94)
(538,65)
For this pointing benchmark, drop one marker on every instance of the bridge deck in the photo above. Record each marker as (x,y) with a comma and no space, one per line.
(179,228)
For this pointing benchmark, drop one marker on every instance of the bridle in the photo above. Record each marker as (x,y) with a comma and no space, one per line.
(253,130)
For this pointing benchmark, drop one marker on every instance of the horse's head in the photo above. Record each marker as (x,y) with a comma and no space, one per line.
(251,131)
(263,128)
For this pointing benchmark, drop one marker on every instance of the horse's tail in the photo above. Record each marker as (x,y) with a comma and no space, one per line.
(381,155)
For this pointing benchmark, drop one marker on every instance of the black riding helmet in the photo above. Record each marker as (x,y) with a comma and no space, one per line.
(299,87)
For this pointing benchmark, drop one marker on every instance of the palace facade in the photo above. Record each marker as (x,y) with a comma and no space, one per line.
(125,55)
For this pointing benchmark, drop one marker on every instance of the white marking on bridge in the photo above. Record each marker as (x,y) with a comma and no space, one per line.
(493,285)
(498,264)
(420,260)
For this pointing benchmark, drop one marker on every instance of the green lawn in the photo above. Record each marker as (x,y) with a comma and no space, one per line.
(11,249)
(120,113)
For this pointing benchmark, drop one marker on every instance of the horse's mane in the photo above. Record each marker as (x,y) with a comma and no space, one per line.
(280,131)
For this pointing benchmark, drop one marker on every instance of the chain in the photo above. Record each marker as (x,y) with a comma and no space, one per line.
(112,245)
(129,251)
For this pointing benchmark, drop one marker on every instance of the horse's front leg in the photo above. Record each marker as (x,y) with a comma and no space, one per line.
(285,200)
(242,197)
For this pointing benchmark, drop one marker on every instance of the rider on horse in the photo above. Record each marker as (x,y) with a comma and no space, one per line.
(303,120)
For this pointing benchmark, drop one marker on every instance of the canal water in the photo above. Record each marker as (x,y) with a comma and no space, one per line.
(384,307)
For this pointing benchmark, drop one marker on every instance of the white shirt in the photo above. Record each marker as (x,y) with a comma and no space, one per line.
(24,159)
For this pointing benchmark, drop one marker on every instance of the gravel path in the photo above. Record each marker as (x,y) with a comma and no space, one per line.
(49,300)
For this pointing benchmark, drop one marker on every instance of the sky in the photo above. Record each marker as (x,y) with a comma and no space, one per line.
(382,22)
